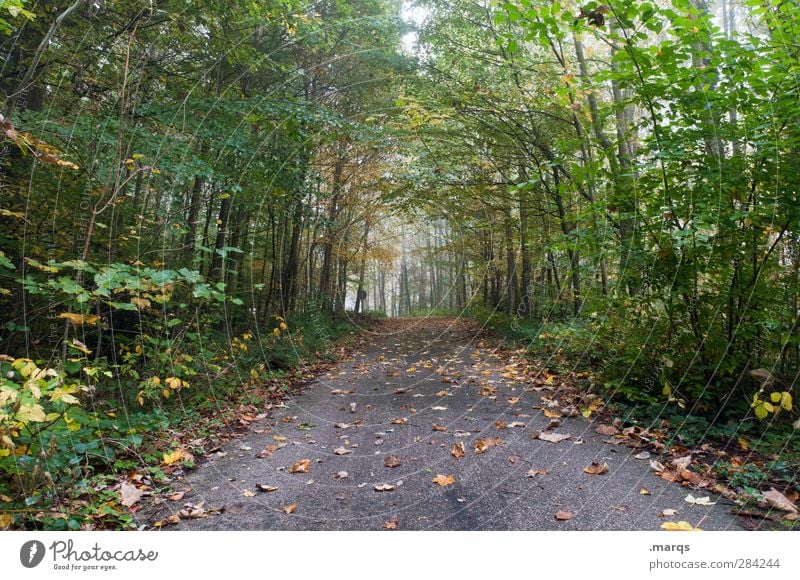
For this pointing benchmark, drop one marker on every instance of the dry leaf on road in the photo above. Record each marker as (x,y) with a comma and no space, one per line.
(384,487)
(290,509)
(301,466)
(342,451)
(458,451)
(444,480)
(554,437)
(778,500)
(129,494)
(699,500)
(535,472)
(391,461)
(606,430)
(596,468)
(679,527)
(564,516)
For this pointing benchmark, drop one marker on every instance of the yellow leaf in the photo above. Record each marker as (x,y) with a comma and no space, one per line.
(444,480)
(776,397)
(679,527)
(301,466)
(786,401)
(248,493)
(290,509)
(78,319)
(174,456)
(5,521)
(31,413)
(743,443)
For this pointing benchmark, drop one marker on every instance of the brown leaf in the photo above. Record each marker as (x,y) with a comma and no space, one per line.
(596,468)
(535,472)
(481,445)
(392,461)
(439,427)
(512,400)
(391,524)
(606,430)
(552,414)
(177,496)
(500,424)
(458,451)
(290,509)
(644,491)
(564,516)
(778,500)
(301,466)
(265,488)
(442,393)
(554,437)
(342,451)
(248,493)
(444,480)
(268,451)
(488,391)
(516,424)
(129,494)
(399,421)
(384,487)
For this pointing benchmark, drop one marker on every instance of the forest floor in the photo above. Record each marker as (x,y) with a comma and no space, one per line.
(430,425)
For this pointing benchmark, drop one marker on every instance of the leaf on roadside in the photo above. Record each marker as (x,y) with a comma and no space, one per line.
(512,400)
(391,524)
(178,495)
(778,500)
(290,509)
(644,491)
(488,391)
(657,466)
(392,461)
(438,408)
(535,472)
(129,494)
(175,456)
(458,451)
(268,451)
(668,513)
(248,493)
(516,424)
(301,466)
(399,421)
(341,392)
(564,516)
(681,462)
(442,393)
(437,427)
(552,414)
(606,430)
(340,475)
(705,500)
(596,468)
(500,424)
(342,451)
(265,488)
(384,487)
(444,480)
(554,437)
(679,527)
(642,455)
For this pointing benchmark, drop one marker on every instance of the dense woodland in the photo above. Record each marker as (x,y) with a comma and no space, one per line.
(198,195)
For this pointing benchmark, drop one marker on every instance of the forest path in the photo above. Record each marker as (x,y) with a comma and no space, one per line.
(420,373)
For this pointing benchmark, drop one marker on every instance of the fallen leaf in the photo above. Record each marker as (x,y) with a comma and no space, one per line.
(384,487)
(596,468)
(279,438)
(301,466)
(6,521)
(679,527)
(512,400)
(778,500)
(642,455)
(699,500)
(392,461)
(656,466)
(481,445)
(248,493)
(438,427)
(341,392)
(290,509)
(265,488)
(500,424)
(458,451)
(175,456)
(668,513)
(488,391)
(535,472)
(644,491)
(268,451)
(681,462)
(399,421)
(444,480)
(342,425)
(391,524)
(606,430)
(554,437)
(129,494)
(340,475)
(515,424)
(564,516)
(177,496)
(442,393)
(342,451)
(438,408)
(552,414)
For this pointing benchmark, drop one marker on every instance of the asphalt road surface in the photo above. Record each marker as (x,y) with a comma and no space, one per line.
(384,401)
